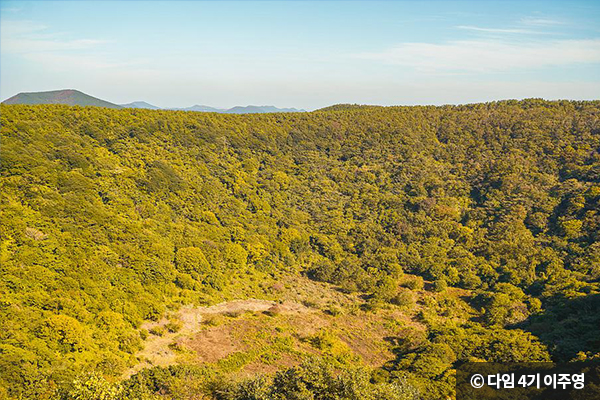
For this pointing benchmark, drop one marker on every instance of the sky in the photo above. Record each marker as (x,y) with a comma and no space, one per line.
(304,54)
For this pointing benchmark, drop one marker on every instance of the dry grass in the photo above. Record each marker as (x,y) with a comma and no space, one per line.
(267,335)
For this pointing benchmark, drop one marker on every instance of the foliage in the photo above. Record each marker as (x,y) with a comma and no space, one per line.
(111,217)
(315,380)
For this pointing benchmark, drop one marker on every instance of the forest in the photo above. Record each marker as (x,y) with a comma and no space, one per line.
(472,232)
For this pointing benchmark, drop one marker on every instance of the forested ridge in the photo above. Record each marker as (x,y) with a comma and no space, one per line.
(113,217)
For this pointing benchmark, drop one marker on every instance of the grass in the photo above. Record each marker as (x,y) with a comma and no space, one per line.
(334,327)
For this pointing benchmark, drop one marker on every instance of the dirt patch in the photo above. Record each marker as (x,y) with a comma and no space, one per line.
(256,335)
(237,306)
(35,234)
(213,344)
(209,344)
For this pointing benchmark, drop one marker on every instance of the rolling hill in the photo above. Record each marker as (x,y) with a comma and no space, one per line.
(239,109)
(259,110)
(73,97)
(200,108)
(140,104)
(69,97)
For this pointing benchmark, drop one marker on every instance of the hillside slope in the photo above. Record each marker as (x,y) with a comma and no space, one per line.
(76,98)
(259,109)
(455,233)
(69,97)
(140,104)
(200,108)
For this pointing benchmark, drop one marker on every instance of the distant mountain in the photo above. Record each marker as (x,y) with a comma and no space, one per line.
(76,98)
(346,107)
(140,104)
(69,96)
(259,110)
(239,109)
(200,108)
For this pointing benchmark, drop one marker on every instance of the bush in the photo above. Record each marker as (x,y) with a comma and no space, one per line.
(212,319)
(157,330)
(333,310)
(316,379)
(404,298)
(415,283)
(233,314)
(94,387)
(273,310)
(173,326)
(440,285)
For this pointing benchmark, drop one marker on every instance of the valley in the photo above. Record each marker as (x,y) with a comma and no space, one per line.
(356,251)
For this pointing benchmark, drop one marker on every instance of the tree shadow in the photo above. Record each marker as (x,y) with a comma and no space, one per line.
(568,326)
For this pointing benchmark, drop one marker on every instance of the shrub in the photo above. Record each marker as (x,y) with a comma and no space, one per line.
(94,387)
(157,330)
(440,285)
(173,326)
(233,314)
(404,298)
(212,319)
(415,283)
(333,310)
(273,310)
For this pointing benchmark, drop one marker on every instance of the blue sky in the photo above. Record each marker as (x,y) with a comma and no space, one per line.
(306,54)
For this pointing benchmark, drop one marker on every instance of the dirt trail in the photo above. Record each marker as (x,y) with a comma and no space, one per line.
(156,351)
(252,305)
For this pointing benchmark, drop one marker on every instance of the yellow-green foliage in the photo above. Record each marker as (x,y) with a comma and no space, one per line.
(332,346)
(110,217)
(315,379)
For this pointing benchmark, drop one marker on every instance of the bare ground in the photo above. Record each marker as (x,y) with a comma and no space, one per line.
(216,343)
(211,334)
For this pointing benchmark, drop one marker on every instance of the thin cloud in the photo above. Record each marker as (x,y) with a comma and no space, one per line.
(20,27)
(487,56)
(23,37)
(55,61)
(539,21)
(24,46)
(10,10)
(496,30)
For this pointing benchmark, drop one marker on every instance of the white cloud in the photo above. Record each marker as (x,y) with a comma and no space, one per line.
(22,37)
(20,27)
(487,55)
(15,45)
(540,21)
(10,10)
(77,62)
(495,30)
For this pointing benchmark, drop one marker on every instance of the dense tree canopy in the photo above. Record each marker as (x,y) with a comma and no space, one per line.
(111,216)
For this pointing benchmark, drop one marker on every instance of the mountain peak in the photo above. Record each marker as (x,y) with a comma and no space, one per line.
(259,109)
(70,97)
(140,104)
(75,97)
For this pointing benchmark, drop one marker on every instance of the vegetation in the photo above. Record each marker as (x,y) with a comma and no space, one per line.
(69,96)
(481,222)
